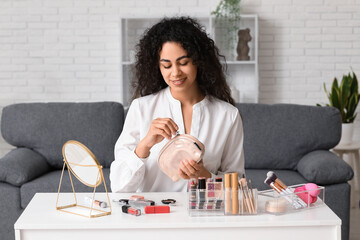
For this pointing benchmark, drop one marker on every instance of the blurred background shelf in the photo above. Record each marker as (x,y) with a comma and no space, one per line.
(242,75)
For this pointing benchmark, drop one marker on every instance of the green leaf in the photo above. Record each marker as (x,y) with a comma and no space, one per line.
(344,97)
(335,94)
(354,84)
(345,91)
(351,119)
(335,84)
(353,102)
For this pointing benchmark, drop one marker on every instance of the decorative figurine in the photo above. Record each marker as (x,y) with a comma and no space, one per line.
(242,46)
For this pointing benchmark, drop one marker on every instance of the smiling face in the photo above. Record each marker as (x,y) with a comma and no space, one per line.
(177,68)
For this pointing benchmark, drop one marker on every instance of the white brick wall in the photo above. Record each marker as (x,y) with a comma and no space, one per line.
(304,43)
(68,50)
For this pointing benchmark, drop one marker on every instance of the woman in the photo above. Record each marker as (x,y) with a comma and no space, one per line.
(181,87)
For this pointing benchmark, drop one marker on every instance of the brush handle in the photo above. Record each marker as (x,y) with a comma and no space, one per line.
(296,198)
(286,196)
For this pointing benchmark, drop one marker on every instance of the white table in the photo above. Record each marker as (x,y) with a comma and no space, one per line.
(40,220)
(352,150)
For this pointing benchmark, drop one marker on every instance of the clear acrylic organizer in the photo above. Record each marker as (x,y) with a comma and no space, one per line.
(215,203)
(272,202)
(244,204)
(205,203)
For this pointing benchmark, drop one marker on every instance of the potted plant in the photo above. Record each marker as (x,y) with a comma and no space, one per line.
(345,97)
(227,17)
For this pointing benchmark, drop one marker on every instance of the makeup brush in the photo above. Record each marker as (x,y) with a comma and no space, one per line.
(282,185)
(273,176)
(246,193)
(272,184)
(243,205)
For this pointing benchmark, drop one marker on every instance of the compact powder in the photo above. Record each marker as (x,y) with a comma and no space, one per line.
(275,206)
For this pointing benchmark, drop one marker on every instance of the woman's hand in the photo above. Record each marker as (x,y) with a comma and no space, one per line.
(160,128)
(190,169)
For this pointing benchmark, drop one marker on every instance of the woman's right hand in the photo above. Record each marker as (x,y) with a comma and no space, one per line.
(160,128)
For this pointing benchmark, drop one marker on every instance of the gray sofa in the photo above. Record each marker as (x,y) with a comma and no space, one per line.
(292,140)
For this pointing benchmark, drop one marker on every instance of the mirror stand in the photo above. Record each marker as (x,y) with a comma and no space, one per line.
(76,208)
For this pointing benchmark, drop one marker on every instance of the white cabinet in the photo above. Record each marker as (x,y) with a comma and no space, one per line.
(240,74)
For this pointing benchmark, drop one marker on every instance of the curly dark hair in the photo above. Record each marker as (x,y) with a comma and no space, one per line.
(199,47)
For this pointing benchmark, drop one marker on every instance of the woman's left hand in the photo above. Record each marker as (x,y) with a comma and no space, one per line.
(190,169)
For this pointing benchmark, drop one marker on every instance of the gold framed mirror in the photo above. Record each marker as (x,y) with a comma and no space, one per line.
(82,164)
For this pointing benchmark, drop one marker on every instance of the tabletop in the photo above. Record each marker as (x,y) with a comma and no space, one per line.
(41,213)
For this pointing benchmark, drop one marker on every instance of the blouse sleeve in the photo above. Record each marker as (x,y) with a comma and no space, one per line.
(127,170)
(233,155)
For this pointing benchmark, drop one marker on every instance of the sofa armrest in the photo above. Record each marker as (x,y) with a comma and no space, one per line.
(22,165)
(324,167)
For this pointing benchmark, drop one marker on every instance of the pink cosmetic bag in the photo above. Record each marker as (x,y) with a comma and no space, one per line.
(182,146)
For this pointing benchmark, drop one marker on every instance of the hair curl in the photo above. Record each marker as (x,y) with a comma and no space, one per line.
(199,47)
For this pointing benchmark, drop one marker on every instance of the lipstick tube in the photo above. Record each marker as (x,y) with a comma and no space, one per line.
(96,202)
(234,193)
(192,190)
(130,210)
(228,207)
(202,192)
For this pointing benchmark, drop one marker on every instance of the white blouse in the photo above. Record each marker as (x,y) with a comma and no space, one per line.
(215,123)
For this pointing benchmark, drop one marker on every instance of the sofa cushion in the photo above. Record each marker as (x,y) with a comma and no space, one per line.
(50,183)
(45,127)
(258,177)
(278,136)
(22,165)
(324,167)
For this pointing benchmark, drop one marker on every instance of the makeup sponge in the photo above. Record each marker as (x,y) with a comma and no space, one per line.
(302,193)
(313,189)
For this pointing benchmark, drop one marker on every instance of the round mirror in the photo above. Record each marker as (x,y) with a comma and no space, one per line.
(82,163)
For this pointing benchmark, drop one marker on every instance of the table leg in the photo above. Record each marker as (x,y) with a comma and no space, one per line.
(352,181)
(17,234)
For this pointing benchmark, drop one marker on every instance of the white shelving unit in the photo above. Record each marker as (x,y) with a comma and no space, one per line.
(240,74)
